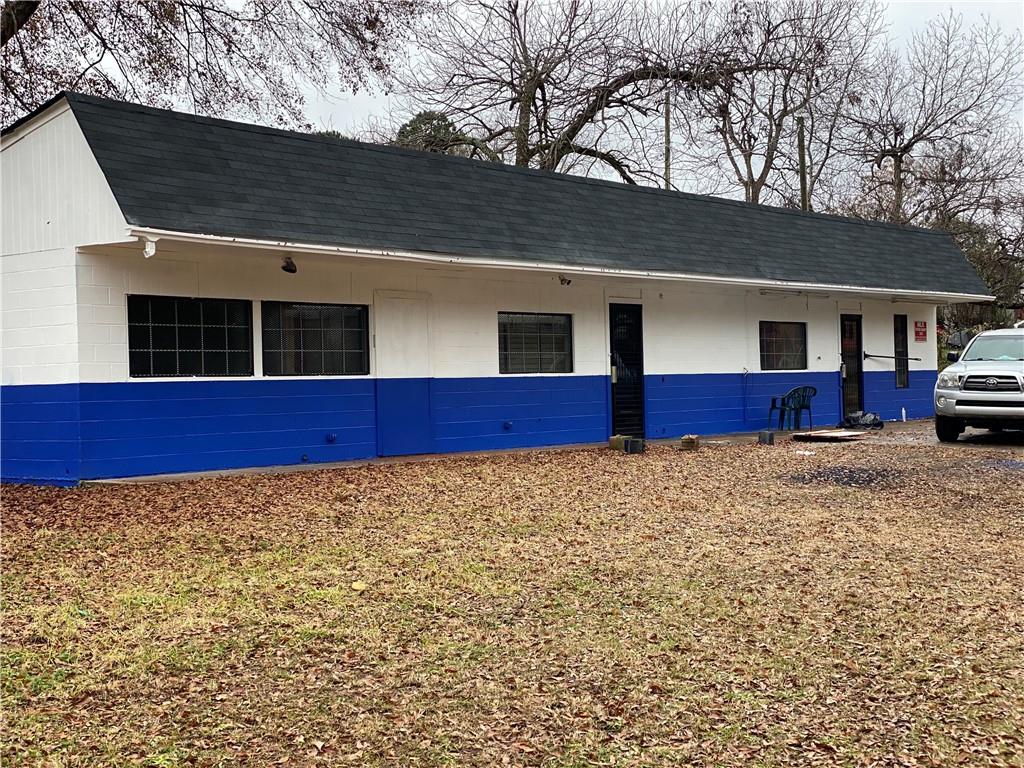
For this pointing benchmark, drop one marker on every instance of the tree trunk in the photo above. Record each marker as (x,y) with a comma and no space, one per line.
(897,188)
(522,131)
(13,17)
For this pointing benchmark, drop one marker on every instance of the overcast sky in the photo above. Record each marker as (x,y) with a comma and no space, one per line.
(348,113)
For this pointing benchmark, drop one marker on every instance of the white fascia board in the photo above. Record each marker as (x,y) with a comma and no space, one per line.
(421,257)
(55,110)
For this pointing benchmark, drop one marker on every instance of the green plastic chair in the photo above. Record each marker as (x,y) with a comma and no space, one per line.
(791,405)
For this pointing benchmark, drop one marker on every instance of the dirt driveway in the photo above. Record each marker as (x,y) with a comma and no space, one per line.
(741,605)
(922,432)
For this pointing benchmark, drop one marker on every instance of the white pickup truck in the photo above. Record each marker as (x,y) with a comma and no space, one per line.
(984,387)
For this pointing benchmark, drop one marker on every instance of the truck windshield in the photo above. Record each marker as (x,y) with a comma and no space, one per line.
(996,348)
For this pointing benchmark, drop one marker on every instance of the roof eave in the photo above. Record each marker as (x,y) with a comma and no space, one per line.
(149,234)
(42,109)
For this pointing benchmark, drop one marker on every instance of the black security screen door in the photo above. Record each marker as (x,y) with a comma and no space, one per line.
(853,363)
(627,353)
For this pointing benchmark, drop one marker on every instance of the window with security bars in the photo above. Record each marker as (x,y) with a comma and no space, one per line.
(534,343)
(783,346)
(900,351)
(171,336)
(315,339)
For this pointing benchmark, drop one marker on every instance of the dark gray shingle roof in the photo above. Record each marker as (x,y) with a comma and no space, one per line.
(180,172)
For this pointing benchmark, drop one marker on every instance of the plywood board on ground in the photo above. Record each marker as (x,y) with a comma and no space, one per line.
(829,435)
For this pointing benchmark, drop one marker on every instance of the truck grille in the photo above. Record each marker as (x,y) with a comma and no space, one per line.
(985,384)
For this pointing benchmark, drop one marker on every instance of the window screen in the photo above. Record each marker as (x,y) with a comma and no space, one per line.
(900,352)
(783,346)
(534,343)
(315,339)
(170,336)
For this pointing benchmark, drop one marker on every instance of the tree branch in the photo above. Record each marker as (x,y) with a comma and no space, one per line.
(605,157)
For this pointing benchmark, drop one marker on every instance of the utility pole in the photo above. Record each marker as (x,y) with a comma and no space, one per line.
(668,141)
(805,203)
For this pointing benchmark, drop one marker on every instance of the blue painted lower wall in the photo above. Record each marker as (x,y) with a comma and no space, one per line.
(718,403)
(39,434)
(60,434)
(518,412)
(882,396)
(140,428)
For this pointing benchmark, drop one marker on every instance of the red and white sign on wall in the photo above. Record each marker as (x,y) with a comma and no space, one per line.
(920,330)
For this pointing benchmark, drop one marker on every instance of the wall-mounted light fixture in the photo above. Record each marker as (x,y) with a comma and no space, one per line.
(149,248)
(288,265)
(563,280)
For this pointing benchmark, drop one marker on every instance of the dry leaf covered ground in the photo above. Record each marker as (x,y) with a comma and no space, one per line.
(737,606)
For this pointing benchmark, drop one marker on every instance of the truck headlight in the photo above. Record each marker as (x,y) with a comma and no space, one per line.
(948,381)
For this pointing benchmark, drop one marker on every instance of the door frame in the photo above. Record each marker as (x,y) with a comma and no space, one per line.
(402,394)
(609,302)
(859,316)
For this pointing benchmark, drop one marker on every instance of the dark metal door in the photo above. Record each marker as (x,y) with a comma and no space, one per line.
(627,357)
(852,351)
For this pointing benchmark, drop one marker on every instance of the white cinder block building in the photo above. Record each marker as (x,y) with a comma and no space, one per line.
(182,293)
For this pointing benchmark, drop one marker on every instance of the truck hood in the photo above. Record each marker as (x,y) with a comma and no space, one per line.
(981,367)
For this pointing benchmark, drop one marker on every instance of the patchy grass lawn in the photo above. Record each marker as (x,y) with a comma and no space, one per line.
(736,606)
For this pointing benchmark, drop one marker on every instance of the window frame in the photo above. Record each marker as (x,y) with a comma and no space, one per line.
(901,372)
(570,352)
(764,355)
(246,303)
(366,337)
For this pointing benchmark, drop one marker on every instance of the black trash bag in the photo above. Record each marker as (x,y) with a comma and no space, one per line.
(862,420)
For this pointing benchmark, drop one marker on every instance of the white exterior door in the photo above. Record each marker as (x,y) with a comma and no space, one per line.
(402,334)
(402,354)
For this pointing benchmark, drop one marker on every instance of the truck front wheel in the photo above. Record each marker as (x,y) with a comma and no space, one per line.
(948,429)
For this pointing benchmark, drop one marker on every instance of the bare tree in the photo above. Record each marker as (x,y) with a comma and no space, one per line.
(937,142)
(247,56)
(552,85)
(938,127)
(744,127)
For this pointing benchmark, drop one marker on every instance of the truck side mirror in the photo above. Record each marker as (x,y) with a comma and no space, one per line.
(952,356)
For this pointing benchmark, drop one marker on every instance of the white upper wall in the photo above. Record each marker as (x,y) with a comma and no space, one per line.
(463,304)
(53,192)
(39,317)
(880,340)
(53,198)
(687,328)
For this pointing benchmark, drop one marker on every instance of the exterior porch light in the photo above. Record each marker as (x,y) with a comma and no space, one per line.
(288,265)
